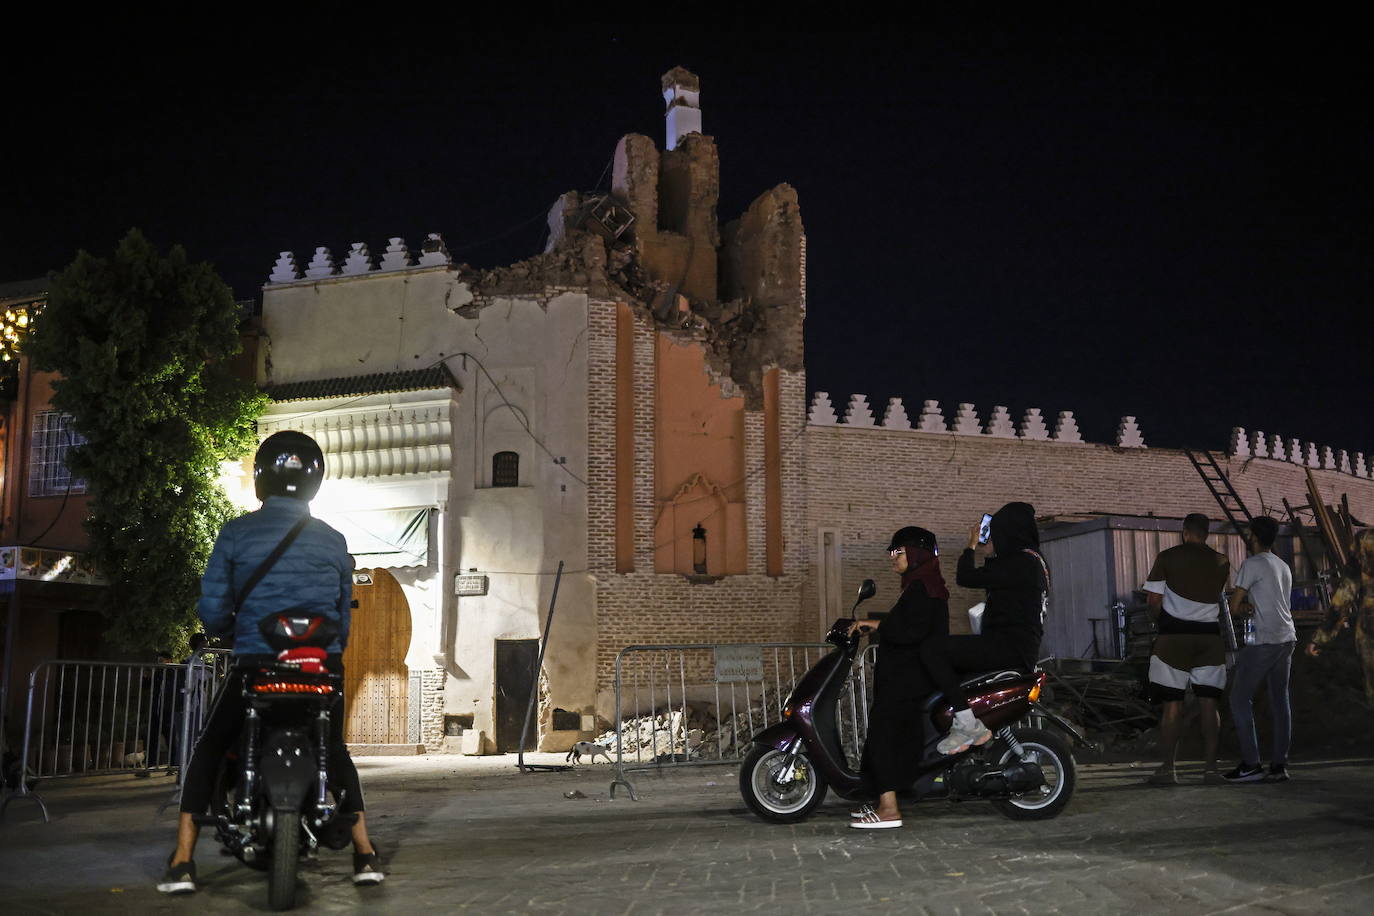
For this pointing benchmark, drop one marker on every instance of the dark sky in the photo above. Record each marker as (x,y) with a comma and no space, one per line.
(1172,226)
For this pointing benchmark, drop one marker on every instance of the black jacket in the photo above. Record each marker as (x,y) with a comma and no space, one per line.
(915,617)
(1013,579)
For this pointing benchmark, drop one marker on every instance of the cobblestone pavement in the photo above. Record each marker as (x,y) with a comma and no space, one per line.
(473,834)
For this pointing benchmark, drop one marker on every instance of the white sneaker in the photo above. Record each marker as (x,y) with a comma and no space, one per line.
(966,732)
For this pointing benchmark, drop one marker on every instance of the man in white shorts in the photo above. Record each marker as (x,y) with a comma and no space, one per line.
(1185,586)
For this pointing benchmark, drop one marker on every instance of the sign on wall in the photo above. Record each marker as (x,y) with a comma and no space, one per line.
(739,663)
(470,586)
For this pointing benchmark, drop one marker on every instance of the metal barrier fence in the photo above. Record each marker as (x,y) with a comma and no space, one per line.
(92,718)
(701,704)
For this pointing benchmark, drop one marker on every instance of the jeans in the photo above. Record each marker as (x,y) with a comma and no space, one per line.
(1267,662)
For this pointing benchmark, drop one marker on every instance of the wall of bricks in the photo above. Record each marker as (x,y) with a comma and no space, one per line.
(868,482)
(432,708)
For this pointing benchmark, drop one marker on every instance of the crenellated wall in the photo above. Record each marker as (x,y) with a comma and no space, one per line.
(867,477)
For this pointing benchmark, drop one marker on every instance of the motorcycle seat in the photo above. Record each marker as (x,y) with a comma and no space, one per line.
(973,683)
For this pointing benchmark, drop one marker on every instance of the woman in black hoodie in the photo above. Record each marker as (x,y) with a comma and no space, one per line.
(1016,580)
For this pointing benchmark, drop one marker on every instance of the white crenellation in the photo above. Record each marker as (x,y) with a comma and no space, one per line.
(1033,425)
(1066,429)
(1294,451)
(1276,449)
(966,421)
(1240,446)
(1313,461)
(1344,463)
(894,417)
(1361,469)
(433,252)
(822,413)
(1000,425)
(285,270)
(359,260)
(321,265)
(1128,434)
(932,420)
(1258,447)
(1328,458)
(397,256)
(858,413)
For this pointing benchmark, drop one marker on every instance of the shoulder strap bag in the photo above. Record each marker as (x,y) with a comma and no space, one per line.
(268,563)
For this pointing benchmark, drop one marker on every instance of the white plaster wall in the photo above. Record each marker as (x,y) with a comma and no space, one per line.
(385,322)
(536,354)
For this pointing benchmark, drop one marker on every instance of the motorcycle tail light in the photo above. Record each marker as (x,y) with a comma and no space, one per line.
(1035,691)
(294,687)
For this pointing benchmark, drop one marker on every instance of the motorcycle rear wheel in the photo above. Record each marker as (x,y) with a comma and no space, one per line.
(780,803)
(286,850)
(1055,760)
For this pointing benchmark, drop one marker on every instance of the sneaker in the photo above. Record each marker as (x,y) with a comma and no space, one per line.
(367,869)
(1246,772)
(1279,773)
(966,732)
(178,879)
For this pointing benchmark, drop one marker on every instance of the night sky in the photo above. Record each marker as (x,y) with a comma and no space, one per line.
(1172,226)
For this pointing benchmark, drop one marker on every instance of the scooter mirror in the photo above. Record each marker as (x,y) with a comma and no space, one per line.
(866,591)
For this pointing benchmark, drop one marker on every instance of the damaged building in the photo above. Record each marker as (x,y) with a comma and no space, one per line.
(631,402)
(628,402)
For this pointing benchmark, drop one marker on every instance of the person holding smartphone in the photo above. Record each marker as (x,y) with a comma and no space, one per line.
(1017,581)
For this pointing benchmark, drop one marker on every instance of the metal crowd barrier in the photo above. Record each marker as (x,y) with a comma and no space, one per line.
(701,704)
(86,718)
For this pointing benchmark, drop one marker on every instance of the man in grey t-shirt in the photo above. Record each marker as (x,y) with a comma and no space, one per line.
(1264,585)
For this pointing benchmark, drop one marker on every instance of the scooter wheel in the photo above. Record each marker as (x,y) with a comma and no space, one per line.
(780,802)
(286,849)
(1055,760)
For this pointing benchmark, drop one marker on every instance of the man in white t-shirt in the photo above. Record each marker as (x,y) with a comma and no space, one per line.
(1264,586)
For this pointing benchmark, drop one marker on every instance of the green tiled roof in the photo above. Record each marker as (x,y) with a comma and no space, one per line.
(381,383)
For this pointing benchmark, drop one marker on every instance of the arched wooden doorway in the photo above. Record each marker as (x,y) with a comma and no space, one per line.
(376,680)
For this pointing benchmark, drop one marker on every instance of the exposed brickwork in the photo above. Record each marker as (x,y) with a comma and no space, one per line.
(432,708)
(947,481)
(601,324)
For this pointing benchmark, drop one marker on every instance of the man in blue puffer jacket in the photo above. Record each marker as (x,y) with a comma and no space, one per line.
(313,575)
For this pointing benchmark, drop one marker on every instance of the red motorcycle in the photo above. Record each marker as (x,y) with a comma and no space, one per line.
(1027,773)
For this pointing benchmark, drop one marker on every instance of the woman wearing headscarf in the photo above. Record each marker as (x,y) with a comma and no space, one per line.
(1016,580)
(893,747)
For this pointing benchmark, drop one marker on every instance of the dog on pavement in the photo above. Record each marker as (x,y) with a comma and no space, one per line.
(588,748)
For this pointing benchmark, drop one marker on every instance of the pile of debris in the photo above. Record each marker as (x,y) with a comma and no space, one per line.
(1110,706)
(689,733)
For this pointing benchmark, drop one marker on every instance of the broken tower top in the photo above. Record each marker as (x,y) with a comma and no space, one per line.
(682,95)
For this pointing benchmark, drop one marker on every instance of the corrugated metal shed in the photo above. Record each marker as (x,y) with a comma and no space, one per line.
(1097,562)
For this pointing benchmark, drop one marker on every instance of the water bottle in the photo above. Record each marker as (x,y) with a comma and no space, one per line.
(1249,631)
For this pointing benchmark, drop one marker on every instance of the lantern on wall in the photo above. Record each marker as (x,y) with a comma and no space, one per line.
(699,550)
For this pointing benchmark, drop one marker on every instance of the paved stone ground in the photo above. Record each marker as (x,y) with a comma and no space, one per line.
(473,834)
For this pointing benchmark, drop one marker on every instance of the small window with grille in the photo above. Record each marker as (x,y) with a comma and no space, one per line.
(505,469)
(52,436)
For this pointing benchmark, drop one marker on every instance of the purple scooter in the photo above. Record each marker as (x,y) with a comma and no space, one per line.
(1027,773)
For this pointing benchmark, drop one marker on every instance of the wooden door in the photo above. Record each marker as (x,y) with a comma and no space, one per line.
(515,661)
(376,680)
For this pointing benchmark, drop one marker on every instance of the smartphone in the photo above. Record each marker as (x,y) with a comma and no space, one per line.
(985,529)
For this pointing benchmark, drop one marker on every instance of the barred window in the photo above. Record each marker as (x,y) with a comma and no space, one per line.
(505,469)
(48,473)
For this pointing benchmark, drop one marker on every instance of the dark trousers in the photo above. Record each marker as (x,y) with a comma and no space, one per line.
(949,659)
(222,730)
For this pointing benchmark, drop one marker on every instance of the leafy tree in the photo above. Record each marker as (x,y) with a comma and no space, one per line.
(141,343)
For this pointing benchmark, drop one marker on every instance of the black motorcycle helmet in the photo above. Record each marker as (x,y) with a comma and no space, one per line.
(911,536)
(288,464)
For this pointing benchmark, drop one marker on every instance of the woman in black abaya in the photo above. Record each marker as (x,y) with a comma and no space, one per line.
(900,682)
